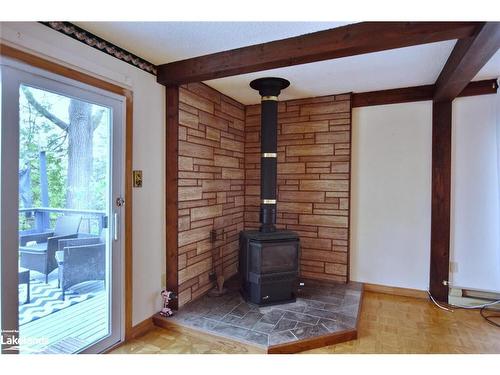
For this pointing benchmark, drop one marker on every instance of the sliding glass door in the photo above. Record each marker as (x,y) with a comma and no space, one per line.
(61,206)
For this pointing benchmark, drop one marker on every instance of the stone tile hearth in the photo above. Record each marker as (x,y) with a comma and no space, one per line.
(321,309)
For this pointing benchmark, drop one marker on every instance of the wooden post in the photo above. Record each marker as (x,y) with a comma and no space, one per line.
(467,58)
(172,152)
(441,191)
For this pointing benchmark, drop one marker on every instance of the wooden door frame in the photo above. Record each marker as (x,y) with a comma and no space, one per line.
(50,66)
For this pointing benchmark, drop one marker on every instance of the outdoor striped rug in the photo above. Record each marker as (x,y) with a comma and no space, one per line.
(46,299)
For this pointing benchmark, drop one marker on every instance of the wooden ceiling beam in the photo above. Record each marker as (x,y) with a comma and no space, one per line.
(467,58)
(349,40)
(418,93)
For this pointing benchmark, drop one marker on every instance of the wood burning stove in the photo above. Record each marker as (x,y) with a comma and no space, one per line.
(269,258)
(269,264)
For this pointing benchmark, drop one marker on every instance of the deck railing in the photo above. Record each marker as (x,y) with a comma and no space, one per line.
(41,219)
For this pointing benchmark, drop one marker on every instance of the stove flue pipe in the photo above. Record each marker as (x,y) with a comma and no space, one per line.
(269,89)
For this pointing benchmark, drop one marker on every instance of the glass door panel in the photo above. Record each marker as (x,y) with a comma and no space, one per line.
(68,263)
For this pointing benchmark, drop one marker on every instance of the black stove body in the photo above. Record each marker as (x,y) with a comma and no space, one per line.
(269,263)
(269,258)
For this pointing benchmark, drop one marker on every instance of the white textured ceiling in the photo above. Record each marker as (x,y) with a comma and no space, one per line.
(162,42)
(491,69)
(411,66)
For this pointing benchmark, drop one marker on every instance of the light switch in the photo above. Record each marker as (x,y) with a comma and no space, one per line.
(137,178)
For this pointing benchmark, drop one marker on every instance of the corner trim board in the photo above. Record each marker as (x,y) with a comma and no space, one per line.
(395,291)
(172,153)
(141,328)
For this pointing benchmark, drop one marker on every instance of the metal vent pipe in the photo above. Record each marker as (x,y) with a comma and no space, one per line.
(269,89)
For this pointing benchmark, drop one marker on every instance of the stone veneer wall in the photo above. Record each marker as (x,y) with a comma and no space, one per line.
(219,183)
(314,153)
(211,186)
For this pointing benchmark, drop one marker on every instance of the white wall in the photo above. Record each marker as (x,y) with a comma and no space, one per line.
(391,179)
(475,226)
(391,194)
(148,147)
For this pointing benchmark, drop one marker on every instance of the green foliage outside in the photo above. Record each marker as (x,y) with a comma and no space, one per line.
(37,133)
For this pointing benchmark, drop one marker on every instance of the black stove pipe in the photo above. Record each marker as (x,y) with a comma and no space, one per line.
(269,89)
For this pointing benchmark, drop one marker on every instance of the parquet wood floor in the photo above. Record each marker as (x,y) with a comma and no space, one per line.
(388,324)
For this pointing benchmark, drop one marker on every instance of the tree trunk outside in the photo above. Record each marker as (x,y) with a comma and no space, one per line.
(80,134)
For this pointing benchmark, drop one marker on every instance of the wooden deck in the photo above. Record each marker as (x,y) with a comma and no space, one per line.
(71,329)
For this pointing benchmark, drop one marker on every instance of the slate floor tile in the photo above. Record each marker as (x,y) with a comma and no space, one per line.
(355,293)
(321,313)
(298,306)
(331,299)
(266,309)
(310,331)
(346,320)
(333,326)
(232,319)
(320,308)
(200,322)
(350,310)
(276,338)
(350,300)
(230,330)
(206,324)
(353,285)
(193,308)
(272,316)
(251,318)
(231,298)
(314,304)
(183,315)
(241,309)
(257,337)
(301,317)
(247,321)
(216,314)
(334,307)
(263,327)
(284,325)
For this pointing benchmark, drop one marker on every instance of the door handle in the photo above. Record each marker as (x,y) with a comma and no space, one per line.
(115,226)
(119,203)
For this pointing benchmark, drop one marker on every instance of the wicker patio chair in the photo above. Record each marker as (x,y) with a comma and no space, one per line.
(81,259)
(40,255)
